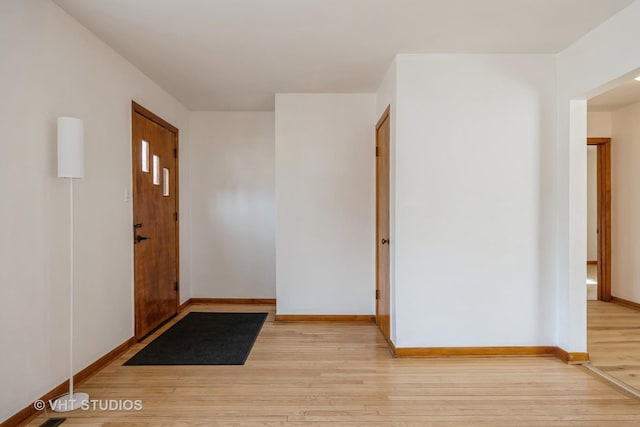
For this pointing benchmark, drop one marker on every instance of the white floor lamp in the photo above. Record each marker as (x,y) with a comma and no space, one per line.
(70,166)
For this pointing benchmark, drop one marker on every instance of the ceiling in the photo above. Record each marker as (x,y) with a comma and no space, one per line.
(236,54)
(626,94)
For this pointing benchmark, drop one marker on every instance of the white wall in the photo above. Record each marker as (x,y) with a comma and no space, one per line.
(52,66)
(625,203)
(590,66)
(599,124)
(592,203)
(233,204)
(474,219)
(325,203)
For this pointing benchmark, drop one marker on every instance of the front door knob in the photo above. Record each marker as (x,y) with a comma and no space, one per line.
(385,241)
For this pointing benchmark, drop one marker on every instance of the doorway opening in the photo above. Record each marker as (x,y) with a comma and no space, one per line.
(613,318)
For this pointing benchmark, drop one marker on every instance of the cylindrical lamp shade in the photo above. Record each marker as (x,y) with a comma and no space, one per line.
(70,147)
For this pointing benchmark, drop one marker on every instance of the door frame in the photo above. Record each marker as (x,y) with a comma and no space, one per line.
(603,146)
(385,116)
(139,109)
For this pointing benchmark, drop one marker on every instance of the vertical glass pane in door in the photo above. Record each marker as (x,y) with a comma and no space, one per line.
(165,182)
(145,156)
(156,170)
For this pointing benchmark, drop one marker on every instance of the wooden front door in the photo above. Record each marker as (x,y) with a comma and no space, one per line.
(383,294)
(155,220)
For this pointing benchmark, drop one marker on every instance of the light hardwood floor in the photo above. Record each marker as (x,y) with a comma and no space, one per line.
(324,374)
(614,340)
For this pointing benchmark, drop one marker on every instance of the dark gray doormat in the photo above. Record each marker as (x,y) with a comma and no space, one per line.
(204,339)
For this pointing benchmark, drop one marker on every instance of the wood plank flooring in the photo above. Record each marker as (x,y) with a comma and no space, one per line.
(338,374)
(614,340)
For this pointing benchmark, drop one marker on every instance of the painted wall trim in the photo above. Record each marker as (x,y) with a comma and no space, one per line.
(29,412)
(625,303)
(270,301)
(571,358)
(368,318)
(184,305)
(474,351)
(514,351)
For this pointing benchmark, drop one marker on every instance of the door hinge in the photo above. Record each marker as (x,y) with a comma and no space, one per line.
(377,294)
(175,153)
(175,215)
(175,286)
(377,151)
